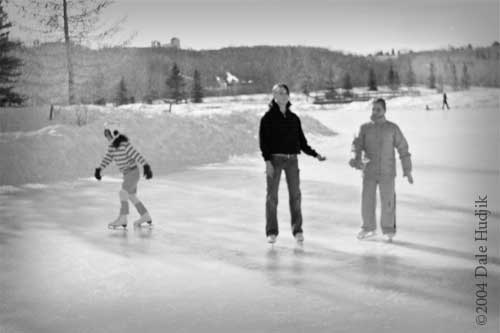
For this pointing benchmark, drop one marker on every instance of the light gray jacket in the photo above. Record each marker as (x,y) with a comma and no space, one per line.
(378,139)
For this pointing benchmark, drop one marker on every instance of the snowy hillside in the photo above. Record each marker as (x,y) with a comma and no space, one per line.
(168,141)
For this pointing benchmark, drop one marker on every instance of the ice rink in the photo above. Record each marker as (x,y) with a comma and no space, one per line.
(206,266)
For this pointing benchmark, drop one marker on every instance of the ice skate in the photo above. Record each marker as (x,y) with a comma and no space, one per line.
(363,234)
(390,236)
(271,239)
(121,221)
(145,218)
(299,237)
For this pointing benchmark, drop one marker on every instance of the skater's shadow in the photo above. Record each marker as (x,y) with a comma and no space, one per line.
(4,236)
(433,249)
(298,262)
(272,259)
(119,234)
(375,267)
(298,250)
(144,233)
(285,267)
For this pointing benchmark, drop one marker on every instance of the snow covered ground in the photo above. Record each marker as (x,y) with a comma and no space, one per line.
(169,142)
(205,267)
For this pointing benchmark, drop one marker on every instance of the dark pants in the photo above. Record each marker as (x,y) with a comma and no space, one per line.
(291,166)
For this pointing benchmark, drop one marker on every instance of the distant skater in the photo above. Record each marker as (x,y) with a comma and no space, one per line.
(127,159)
(445,102)
(377,140)
(281,140)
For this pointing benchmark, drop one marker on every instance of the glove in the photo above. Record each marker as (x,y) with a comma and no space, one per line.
(97,174)
(147,171)
(356,163)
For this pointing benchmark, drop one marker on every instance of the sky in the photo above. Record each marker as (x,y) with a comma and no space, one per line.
(357,26)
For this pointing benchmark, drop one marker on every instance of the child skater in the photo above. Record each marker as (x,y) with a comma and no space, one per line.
(126,158)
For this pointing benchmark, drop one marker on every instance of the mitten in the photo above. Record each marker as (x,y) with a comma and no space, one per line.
(97,174)
(147,171)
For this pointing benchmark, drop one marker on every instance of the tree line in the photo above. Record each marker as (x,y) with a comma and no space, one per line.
(146,71)
(66,71)
(176,87)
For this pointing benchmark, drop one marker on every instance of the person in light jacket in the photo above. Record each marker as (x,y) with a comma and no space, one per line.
(377,140)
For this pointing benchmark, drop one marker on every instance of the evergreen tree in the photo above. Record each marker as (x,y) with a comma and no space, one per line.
(454,77)
(432,77)
(410,77)
(96,87)
(465,77)
(121,96)
(307,85)
(393,78)
(176,84)
(77,21)
(331,93)
(347,85)
(9,64)
(372,80)
(152,82)
(440,84)
(197,92)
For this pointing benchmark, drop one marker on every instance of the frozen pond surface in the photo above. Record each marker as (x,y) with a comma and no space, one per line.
(205,267)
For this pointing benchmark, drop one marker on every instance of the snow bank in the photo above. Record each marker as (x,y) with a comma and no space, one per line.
(168,141)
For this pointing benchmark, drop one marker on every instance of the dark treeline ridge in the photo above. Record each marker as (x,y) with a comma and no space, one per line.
(146,70)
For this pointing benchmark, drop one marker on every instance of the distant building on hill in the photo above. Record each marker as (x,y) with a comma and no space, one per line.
(229,81)
(175,43)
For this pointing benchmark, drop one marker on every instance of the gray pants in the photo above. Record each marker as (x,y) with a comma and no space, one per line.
(388,204)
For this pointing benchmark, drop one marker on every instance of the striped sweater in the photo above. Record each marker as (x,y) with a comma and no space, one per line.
(125,156)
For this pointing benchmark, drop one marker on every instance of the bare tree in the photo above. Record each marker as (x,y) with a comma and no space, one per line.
(9,64)
(432,76)
(410,76)
(454,76)
(71,21)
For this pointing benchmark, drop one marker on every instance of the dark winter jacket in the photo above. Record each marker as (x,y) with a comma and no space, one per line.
(282,134)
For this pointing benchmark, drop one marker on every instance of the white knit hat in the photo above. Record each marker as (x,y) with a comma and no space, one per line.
(113,127)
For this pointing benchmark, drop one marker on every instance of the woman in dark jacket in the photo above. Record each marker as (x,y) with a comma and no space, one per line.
(281,140)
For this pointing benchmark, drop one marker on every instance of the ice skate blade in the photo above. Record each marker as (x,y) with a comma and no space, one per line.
(271,241)
(366,237)
(118,227)
(148,224)
(298,250)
